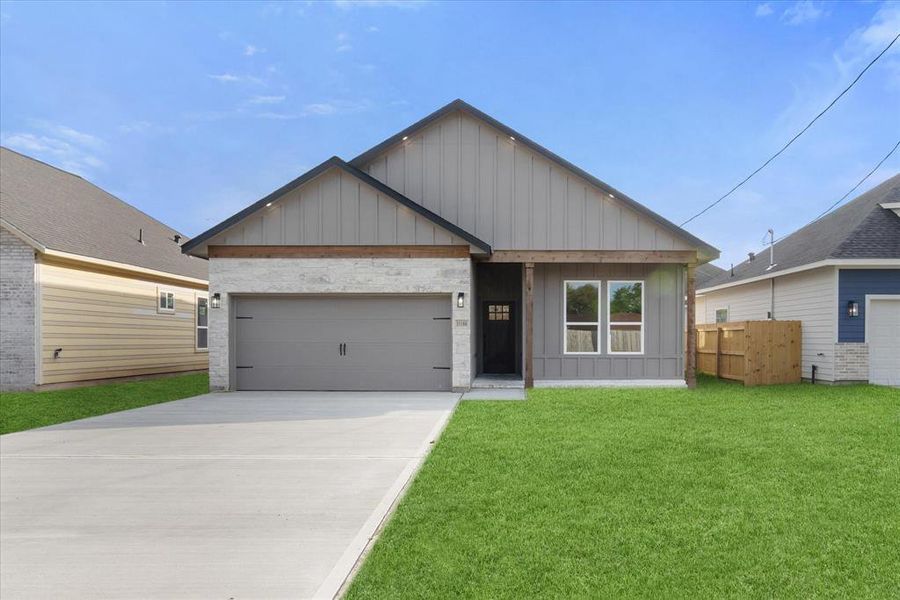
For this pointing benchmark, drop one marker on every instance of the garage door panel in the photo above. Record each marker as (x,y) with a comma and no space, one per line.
(392,343)
(342,307)
(325,330)
(883,331)
(287,354)
(279,378)
(375,354)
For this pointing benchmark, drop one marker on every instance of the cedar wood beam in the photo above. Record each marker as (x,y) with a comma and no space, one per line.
(690,359)
(409,251)
(592,256)
(529,325)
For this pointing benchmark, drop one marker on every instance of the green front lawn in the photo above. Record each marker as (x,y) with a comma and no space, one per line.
(787,491)
(27,410)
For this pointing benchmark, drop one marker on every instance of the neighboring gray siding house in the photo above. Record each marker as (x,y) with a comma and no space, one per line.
(90,287)
(454,249)
(840,276)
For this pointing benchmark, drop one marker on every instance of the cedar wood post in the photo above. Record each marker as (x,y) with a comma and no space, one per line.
(529,325)
(690,360)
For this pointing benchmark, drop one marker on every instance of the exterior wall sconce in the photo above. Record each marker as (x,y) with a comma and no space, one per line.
(460,300)
(216,300)
(853,308)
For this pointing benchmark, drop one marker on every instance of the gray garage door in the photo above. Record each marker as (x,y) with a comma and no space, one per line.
(343,343)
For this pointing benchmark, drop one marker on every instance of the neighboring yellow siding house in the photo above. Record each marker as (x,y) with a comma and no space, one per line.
(98,323)
(91,288)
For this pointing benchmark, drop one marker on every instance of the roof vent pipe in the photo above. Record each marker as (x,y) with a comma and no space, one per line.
(751,255)
(732,269)
(177,239)
(141,235)
(771,247)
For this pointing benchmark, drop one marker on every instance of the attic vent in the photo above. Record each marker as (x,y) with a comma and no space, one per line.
(751,255)
(177,238)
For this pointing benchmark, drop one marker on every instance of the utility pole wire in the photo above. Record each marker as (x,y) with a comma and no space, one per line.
(853,189)
(801,132)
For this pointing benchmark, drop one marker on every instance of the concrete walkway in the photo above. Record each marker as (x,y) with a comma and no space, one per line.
(242,495)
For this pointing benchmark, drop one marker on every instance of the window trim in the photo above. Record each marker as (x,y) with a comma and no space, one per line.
(159,309)
(565,322)
(197,326)
(609,322)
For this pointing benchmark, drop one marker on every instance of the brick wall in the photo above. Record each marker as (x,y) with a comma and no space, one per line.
(851,362)
(229,276)
(16,313)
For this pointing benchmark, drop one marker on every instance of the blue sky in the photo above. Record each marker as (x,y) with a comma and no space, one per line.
(192,111)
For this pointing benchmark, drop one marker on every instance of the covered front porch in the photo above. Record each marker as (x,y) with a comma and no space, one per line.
(583,318)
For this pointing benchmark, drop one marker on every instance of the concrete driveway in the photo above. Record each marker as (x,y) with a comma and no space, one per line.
(241,495)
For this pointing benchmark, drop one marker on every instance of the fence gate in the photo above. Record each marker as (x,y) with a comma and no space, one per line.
(754,352)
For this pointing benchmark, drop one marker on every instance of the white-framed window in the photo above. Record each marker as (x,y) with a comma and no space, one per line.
(581,317)
(201,323)
(165,301)
(625,317)
(721,315)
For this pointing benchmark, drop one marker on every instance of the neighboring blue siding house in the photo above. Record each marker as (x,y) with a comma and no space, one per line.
(839,276)
(854,285)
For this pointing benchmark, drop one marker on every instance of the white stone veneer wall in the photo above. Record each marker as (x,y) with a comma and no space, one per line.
(255,276)
(16,313)
(851,361)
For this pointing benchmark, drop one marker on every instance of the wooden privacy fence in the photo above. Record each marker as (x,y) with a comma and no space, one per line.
(755,352)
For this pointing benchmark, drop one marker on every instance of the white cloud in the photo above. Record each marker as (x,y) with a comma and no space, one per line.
(135,127)
(68,134)
(335,107)
(343,39)
(403,4)
(250,50)
(144,127)
(272,9)
(372,29)
(232,78)
(801,12)
(273,116)
(53,150)
(867,41)
(266,99)
(883,27)
(764,10)
(225,78)
(322,108)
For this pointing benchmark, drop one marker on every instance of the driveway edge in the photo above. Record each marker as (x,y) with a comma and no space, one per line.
(341,575)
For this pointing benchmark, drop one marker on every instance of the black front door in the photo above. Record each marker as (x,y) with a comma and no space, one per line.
(498,323)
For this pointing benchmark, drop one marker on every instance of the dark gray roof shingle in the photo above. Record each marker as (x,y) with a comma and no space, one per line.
(706,272)
(859,229)
(64,212)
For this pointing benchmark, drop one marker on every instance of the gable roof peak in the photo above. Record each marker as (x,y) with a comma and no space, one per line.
(708,252)
(328,164)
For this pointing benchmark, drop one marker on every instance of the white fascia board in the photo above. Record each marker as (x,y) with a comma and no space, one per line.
(844,263)
(22,235)
(894,206)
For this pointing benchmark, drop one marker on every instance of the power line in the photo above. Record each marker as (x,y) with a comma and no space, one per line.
(801,132)
(853,189)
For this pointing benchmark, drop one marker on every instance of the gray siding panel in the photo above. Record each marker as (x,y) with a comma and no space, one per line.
(338,209)
(663,324)
(513,198)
